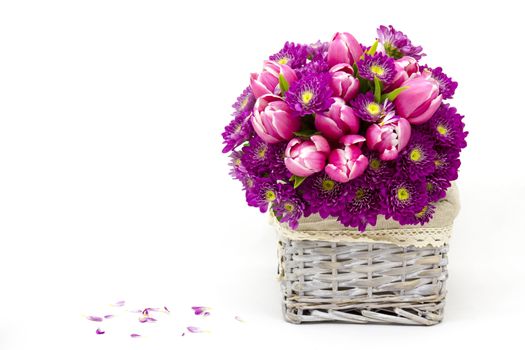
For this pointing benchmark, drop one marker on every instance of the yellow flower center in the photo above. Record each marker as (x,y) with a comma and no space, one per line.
(403,194)
(283,60)
(438,163)
(359,194)
(377,70)
(270,196)
(416,155)
(307,96)
(422,212)
(249,182)
(430,187)
(442,130)
(328,185)
(237,162)
(375,163)
(289,207)
(261,153)
(373,108)
(244,102)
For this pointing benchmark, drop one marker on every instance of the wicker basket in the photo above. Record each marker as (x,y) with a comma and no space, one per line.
(391,274)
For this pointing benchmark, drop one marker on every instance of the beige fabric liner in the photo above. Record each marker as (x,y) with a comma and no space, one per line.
(435,233)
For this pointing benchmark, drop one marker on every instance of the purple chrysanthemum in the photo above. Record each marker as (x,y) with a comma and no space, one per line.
(322,195)
(447,163)
(378,65)
(405,199)
(318,50)
(294,55)
(245,102)
(447,86)
(255,157)
(276,160)
(265,191)
(436,187)
(289,209)
(425,214)
(397,44)
(238,131)
(416,161)
(378,171)
(361,206)
(311,94)
(316,66)
(238,171)
(447,127)
(370,111)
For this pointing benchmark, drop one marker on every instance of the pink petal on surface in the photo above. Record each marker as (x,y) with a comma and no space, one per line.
(201,310)
(118,303)
(138,311)
(147,319)
(193,329)
(134,335)
(109,316)
(95,318)
(100,331)
(166,309)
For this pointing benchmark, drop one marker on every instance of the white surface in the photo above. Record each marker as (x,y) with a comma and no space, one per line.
(112,184)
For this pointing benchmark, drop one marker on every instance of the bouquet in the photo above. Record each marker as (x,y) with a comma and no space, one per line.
(345,130)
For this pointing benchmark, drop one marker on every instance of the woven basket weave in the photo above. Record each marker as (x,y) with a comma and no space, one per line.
(391,274)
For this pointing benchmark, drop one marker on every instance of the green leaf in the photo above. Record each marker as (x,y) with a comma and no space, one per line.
(377,89)
(393,94)
(283,84)
(305,133)
(297,180)
(372,50)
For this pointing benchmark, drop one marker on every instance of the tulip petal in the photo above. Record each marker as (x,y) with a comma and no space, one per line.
(321,144)
(315,161)
(428,113)
(337,53)
(336,174)
(296,168)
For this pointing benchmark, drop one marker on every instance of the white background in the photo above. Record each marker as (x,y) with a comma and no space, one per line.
(113,185)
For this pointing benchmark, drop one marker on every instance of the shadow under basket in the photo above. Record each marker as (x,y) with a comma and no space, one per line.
(388,275)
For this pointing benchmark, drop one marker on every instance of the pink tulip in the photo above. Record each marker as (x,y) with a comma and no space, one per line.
(405,67)
(344,84)
(339,120)
(388,138)
(304,158)
(273,121)
(349,162)
(343,48)
(420,101)
(267,82)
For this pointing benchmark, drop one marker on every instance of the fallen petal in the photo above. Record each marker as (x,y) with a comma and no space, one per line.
(166,309)
(147,319)
(196,330)
(134,335)
(109,316)
(118,303)
(201,310)
(100,331)
(94,318)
